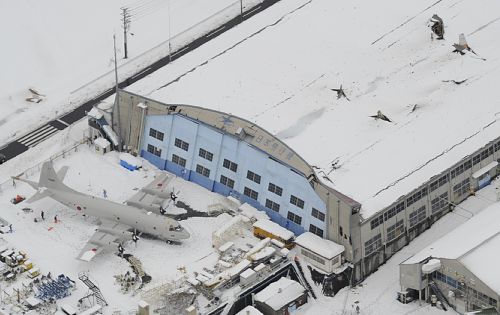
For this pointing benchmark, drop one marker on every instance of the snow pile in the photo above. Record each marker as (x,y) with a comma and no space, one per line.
(102,143)
(431,266)
(251,212)
(95,113)
(111,134)
(280,293)
(249,310)
(318,245)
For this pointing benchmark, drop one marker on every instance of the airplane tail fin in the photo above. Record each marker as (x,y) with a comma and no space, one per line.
(48,179)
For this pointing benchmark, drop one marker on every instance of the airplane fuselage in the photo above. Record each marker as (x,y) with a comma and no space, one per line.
(139,219)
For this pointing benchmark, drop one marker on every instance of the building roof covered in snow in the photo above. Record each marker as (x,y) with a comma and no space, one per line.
(473,244)
(280,293)
(434,122)
(318,245)
(274,228)
(249,310)
(95,113)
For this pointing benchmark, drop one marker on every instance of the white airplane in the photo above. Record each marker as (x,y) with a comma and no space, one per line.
(118,222)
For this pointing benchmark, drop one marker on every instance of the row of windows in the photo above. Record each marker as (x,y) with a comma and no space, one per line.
(253,177)
(205,154)
(294,218)
(250,193)
(312,256)
(377,221)
(156,134)
(230,165)
(316,230)
(226,181)
(416,196)
(462,188)
(461,168)
(202,170)
(439,203)
(318,215)
(272,205)
(395,230)
(439,182)
(154,150)
(417,216)
(178,160)
(181,144)
(275,189)
(297,201)
(394,210)
(373,244)
(483,297)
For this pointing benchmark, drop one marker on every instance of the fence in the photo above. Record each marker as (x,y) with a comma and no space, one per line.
(167,48)
(27,173)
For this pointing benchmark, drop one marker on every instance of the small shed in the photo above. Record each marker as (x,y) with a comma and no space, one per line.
(102,145)
(281,297)
(318,252)
(130,162)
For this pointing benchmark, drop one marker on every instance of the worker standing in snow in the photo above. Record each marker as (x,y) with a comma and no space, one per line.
(42,214)
(55,219)
(104,193)
(10,228)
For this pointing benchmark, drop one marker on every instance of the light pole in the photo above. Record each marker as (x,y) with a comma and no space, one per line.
(169,33)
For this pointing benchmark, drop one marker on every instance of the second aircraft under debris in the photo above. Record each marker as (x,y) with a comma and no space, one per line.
(118,222)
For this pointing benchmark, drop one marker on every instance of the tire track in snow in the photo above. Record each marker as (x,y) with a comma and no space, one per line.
(232,47)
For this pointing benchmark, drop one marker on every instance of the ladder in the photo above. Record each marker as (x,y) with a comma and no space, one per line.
(83,276)
(302,277)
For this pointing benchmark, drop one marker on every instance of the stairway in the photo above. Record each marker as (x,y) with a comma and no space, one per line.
(302,277)
(97,292)
(439,295)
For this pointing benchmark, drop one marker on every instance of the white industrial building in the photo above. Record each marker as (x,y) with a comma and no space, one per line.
(462,265)
(314,163)
(320,253)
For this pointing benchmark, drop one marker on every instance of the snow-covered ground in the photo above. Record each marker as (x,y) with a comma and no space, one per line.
(56,47)
(54,246)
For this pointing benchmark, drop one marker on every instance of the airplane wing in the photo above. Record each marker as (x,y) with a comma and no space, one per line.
(153,195)
(108,234)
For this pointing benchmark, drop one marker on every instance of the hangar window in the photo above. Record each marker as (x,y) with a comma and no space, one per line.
(230,165)
(275,189)
(181,144)
(461,168)
(227,181)
(394,210)
(202,170)
(205,154)
(485,154)
(154,150)
(497,146)
(253,177)
(297,202)
(318,214)
(178,160)
(316,230)
(156,134)
(439,182)
(250,193)
(272,205)
(294,218)
(373,244)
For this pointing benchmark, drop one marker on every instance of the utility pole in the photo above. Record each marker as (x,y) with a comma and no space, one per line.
(241,9)
(117,98)
(169,33)
(126,25)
